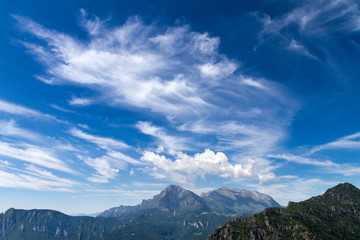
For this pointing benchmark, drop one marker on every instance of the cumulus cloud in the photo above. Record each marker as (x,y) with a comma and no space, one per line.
(181,167)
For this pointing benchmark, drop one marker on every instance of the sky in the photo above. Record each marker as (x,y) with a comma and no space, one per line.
(106,103)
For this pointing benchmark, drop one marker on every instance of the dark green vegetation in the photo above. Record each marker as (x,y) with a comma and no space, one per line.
(175,213)
(333,215)
(49,224)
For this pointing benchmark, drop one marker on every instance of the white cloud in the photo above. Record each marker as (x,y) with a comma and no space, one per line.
(103,167)
(328,167)
(218,70)
(102,142)
(16,109)
(35,179)
(177,74)
(80,101)
(164,139)
(350,142)
(266,177)
(34,155)
(304,160)
(317,18)
(255,140)
(122,157)
(128,64)
(311,26)
(295,46)
(185,168)
(107,166)
(61,108)
(10,128)
(252,82)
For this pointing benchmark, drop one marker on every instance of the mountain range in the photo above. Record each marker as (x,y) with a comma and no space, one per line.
(333,215)
(175,213)
(222,201)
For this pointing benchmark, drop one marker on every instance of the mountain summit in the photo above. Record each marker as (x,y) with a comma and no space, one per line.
(175,198)
(333,215)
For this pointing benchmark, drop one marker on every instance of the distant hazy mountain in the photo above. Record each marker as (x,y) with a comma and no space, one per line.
(234,201)
(223,201)
(333,215)
(172,198)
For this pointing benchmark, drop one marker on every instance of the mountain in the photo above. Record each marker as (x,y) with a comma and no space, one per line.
(172,198)
(222,201)
(176,198)
(177,213)
(333,215)
(48,224)
(234,201)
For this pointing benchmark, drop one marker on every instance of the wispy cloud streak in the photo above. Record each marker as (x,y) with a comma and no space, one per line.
(176,73)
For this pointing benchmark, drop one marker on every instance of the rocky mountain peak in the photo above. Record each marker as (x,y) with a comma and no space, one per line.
(174,198)
(341,188)
(173,190)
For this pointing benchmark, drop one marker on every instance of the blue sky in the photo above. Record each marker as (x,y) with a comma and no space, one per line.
(103,104)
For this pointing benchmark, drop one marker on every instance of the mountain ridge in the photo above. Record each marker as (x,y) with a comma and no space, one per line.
(332,215)
(174,213)
(176,198)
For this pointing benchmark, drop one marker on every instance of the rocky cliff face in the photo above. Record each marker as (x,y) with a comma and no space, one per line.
(333,215)
(175,198)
